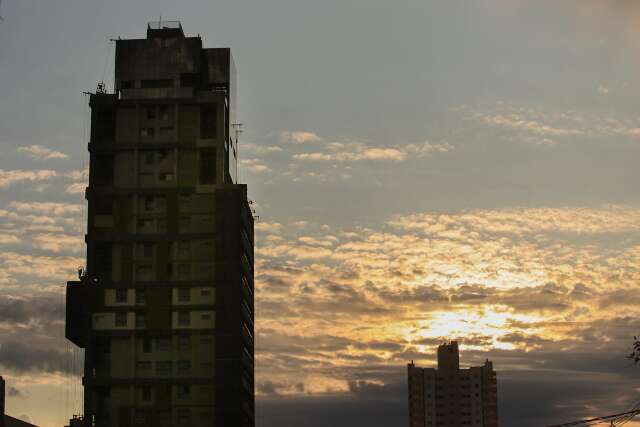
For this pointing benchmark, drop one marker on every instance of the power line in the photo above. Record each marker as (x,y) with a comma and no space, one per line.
(614,420)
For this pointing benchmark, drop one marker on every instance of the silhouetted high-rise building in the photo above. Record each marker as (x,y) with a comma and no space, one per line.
(164,309)
(452,397)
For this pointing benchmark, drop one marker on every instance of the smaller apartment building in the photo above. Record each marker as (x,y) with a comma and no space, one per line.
(452,397)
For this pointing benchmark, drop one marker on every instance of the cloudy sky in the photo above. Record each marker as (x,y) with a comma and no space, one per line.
(423,171)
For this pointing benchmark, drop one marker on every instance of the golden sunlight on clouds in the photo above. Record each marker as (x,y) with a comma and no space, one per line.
(516,280)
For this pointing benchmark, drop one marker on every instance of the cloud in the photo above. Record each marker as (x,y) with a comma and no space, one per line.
(357,151)
(8,238)
(545,128)
(39,152)
(607,219)
(59,243)
(14,392)
(528,288)
(24,310)
(427,148)
(9,177)
(81,178)
(47,208)
(260,150)
(255,166)
(299,137)
(22,357)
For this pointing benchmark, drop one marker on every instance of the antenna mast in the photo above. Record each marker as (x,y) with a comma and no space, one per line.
(237,127)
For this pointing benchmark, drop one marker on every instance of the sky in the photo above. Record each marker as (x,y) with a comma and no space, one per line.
(422,171)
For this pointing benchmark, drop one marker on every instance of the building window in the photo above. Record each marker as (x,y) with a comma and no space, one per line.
(189,79)
(164,112)
(205,292)
(148,204)
(184,249)
(104,258)
(184,202)
(166,131)
(140,320)
(103,206)
(139,417)
(164,419)
(147,250)
(184,414)
(140,296)
(184,294)
(184,224)
(102,169)
(145,223)
(206,316)
(163,369)
(184,318)
(162,155)
(143,367)
(149,158)
(163,344)
(144,272)
(184,271)
(184,391)
(160,203)
(184,343)
(208,121)
(121,296)
(184,367)
(170,270)
(146,345)
(156,83)
(207,166)
(121,319)
(151,112)
(147,132)
(165,177)
(146,394)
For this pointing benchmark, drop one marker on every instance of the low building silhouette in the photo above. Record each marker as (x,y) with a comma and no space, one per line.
(452,397)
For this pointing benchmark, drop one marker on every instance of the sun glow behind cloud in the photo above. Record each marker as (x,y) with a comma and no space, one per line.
(514,280)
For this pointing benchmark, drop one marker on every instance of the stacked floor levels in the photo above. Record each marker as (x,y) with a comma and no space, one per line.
(452,397)
(164,309)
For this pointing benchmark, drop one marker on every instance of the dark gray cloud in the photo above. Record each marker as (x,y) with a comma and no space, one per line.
(28,357)
(14,392)
(526,398)
(43,309)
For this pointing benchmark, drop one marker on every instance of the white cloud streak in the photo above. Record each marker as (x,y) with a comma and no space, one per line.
(358,151)
(39,152)
(10,177)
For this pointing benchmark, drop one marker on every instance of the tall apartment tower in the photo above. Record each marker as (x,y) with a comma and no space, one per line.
(452,397)
(164,309)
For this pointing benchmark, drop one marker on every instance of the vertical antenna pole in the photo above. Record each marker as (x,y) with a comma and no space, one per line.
(238,130)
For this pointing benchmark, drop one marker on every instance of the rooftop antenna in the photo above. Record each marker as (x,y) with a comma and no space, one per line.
(238,129)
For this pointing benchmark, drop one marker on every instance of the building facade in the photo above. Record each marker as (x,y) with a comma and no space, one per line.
(164,309)
(452,397)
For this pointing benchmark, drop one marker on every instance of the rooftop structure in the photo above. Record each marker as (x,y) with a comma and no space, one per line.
(452,397)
